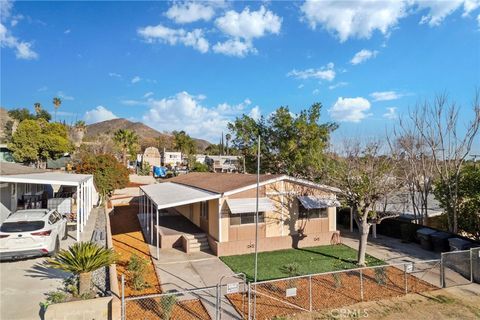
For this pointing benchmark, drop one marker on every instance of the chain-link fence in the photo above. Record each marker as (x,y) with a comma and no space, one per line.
(199,304)
(233,298)
(461,267)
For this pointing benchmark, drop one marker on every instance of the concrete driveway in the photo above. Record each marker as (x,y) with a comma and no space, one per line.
(179,271)
(23,285)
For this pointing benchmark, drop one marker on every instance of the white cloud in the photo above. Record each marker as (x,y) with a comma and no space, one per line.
(184,111)
(67,31)
(148,94)
(350,109)
(338,85)
(385,95)
(135,79)
(99,114)
(324,73)
(234,47)
(363,55)
(42,89)
(114,75)
(360,19)
(255,113)
(439,10)
(190,12)
(316,91)
(64,96)
(391,113)
(300,86)
(194,38)
(478,20)
(353,19)
(249,24)
(23,49)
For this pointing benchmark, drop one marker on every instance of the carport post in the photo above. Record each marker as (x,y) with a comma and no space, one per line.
(156,232)
(78,213)
(151,221)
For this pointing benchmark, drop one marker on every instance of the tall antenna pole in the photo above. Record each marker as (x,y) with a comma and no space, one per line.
(256,231)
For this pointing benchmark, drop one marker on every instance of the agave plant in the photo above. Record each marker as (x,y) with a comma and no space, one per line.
(82,259)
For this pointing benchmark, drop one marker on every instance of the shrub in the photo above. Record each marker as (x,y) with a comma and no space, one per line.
(337,278)
(381,275)
(53,297)
(136,268)
(166,306)
(291,270)
(145,169)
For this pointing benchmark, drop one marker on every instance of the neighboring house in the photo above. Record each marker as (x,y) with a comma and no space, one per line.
(152,156)
(223,163)
(292,212)
(201,158)
(171,158)
(62,163)
(5,154)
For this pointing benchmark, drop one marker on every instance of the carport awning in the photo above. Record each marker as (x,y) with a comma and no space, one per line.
(65,179)
(168,194)
(314,202)
(249,205)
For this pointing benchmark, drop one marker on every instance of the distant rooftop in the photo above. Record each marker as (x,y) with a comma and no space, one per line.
(7,168)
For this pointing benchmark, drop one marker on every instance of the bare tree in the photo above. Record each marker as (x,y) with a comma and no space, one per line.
(436,124)
(416,165)
(366,178)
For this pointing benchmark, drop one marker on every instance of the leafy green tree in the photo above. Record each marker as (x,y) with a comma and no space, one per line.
(199,167)
(127,141)
(21,114)
(108,173)
(37,140)
(82,258)
(290,144)
(468,205)
(184,143)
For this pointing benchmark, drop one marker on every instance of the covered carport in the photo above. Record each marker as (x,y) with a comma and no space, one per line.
(37,186)
(156,197)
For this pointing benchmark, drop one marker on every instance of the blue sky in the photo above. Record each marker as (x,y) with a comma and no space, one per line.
(197,65)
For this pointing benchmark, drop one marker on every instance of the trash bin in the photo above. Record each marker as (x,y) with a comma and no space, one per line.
(423,235)
(440,241)
(457,244)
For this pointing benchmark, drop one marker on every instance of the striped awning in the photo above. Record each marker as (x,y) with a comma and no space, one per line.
(249,205)
(315,202)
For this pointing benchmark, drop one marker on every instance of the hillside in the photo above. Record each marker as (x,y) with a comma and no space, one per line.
(4,118)
(147,135)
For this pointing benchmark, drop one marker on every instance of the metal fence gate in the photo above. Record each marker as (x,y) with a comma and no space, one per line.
(461,267)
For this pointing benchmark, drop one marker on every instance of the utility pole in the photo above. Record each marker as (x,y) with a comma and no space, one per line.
(256,232)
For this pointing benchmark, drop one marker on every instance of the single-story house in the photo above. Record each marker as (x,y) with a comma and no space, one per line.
(217,210)
(23,187)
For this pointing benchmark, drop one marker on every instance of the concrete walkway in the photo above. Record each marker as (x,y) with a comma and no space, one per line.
(394,251)
(179,271)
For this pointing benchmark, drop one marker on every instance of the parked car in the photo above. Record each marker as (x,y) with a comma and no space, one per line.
(32,233)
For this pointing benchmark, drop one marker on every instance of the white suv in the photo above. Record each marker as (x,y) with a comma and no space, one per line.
(31,233)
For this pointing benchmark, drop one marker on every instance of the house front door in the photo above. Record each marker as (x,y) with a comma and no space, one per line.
(204,216)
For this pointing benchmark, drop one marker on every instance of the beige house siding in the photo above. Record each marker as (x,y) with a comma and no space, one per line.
(213,219)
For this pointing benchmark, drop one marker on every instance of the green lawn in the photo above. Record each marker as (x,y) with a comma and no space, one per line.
(310,260)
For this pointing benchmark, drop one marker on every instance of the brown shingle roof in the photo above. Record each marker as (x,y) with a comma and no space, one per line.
(7,168)
(220,182)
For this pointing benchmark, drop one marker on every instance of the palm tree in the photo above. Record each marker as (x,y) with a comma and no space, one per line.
(56,104)
(127,140)
(82,259)
(228,137)
(38,107)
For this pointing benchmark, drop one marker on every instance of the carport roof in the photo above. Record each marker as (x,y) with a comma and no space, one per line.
(167,194)
(69,179)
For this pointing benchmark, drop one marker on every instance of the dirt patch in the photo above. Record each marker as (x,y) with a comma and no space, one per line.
(150,309)
(442,304)
(127,241)
(329,291)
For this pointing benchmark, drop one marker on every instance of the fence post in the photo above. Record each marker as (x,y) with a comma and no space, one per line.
(471,265)
(406,277)
(361,284)
(248,292)
(442,271)
(123,309)
(310,292)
